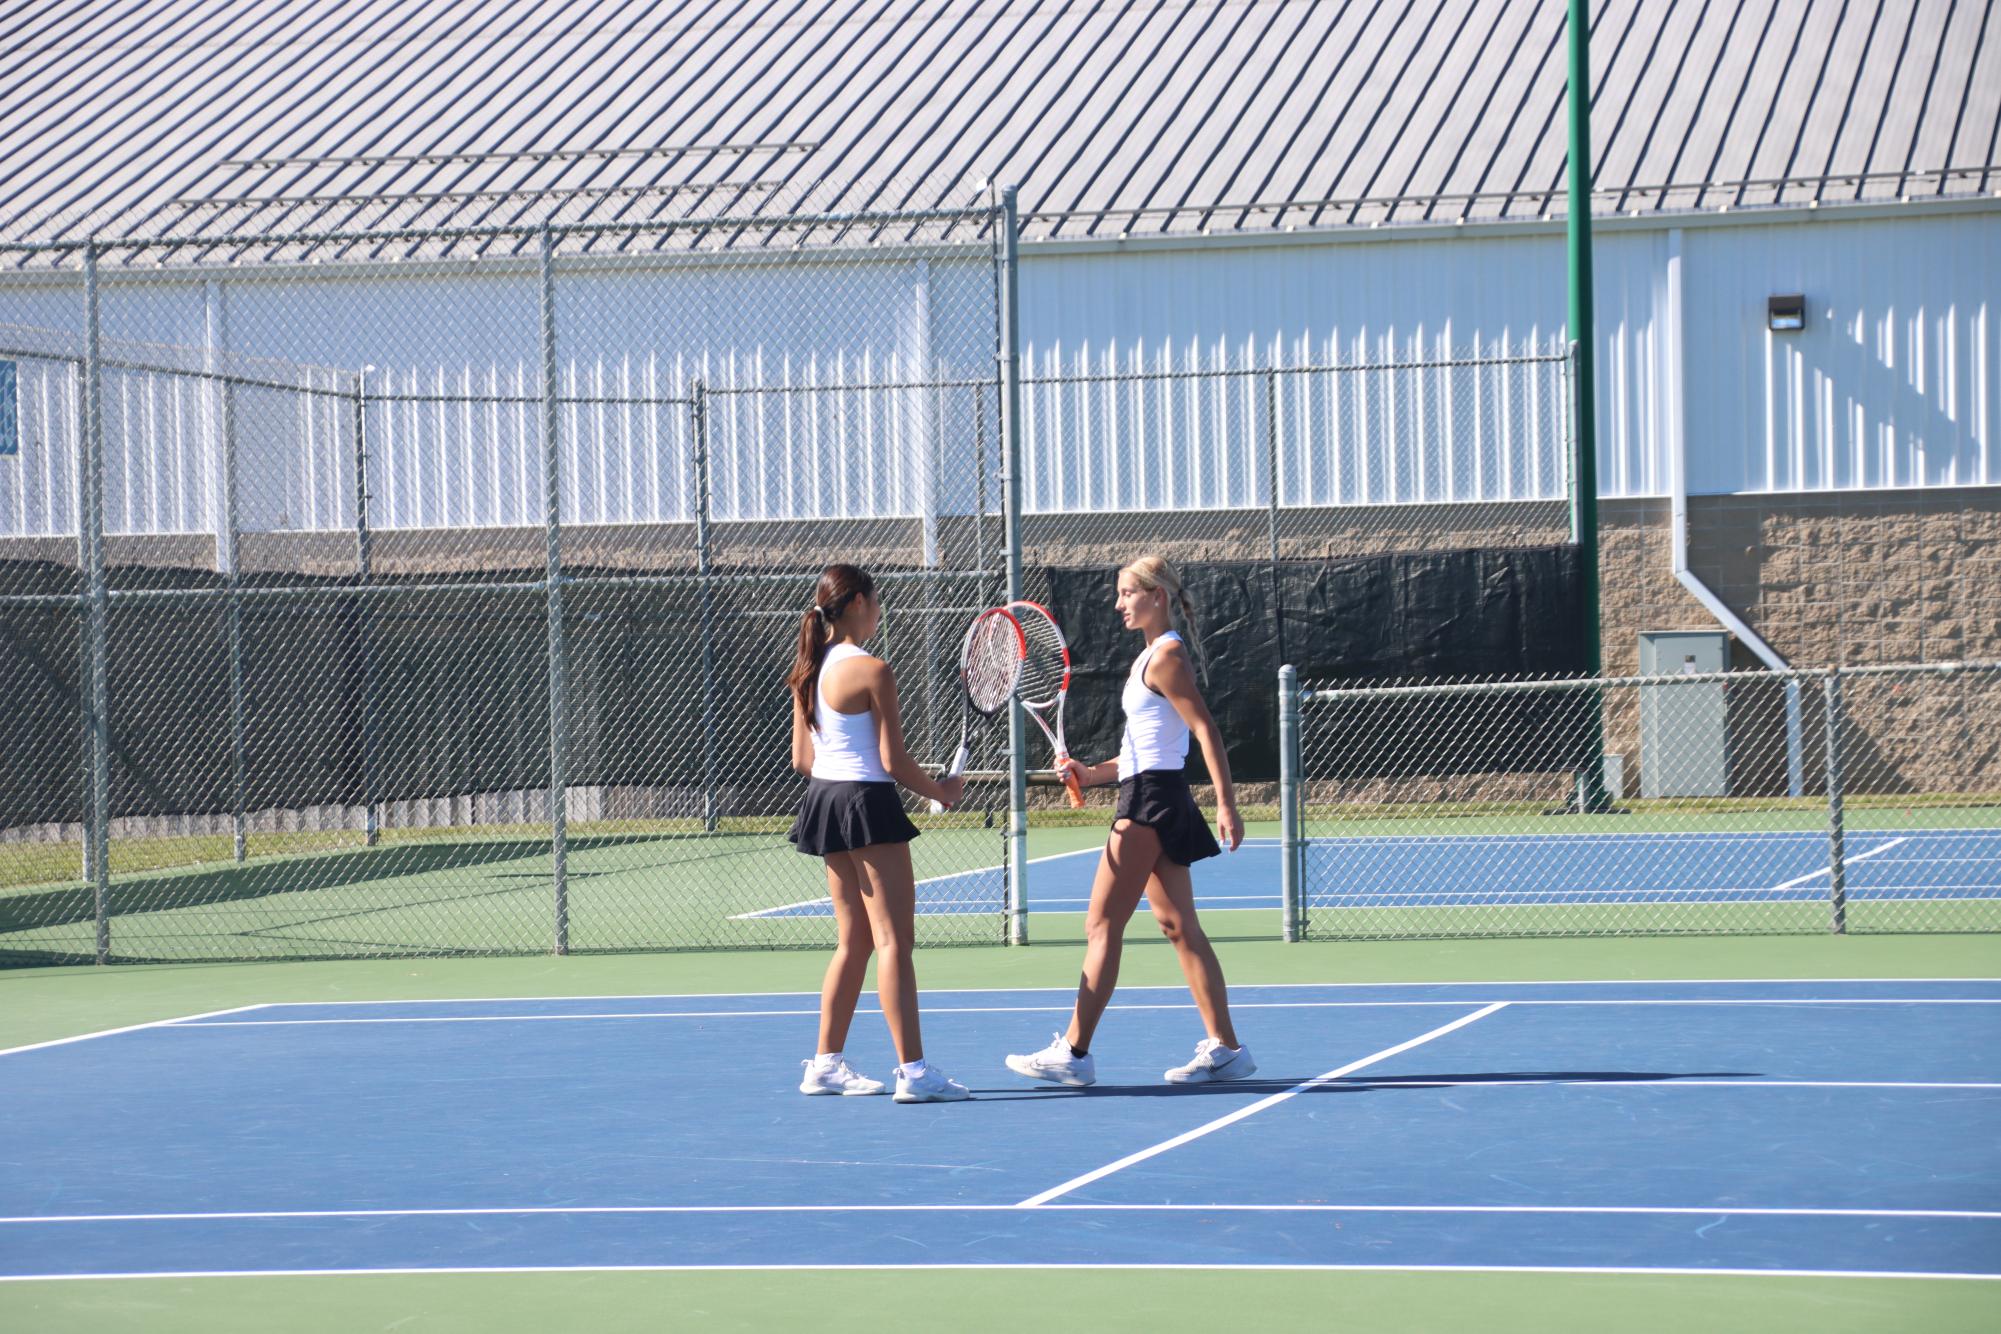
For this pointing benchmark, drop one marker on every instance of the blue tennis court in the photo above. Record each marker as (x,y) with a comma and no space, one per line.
(1485,869)
(1816,1127)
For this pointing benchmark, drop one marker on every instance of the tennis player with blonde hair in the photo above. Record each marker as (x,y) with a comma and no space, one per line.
(1157,834)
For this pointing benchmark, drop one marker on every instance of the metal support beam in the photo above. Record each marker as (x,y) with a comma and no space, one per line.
(364,562)
(1292,853)
(1584,468)
(97,724)
(1009,356)
(1837,852)
(559,739)
(704,566)
(1272,473)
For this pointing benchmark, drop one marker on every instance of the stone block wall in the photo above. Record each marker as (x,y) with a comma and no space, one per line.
(1831,580)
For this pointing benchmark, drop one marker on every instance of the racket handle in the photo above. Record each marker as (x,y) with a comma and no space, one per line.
(958,767)
(1073,787)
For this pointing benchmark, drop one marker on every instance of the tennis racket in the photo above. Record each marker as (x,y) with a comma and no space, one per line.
(989,665)
(1045,681)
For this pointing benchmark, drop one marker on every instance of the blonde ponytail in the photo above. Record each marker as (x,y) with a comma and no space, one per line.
(1158,573)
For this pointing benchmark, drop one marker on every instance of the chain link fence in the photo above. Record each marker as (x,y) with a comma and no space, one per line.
(1265,456)
(1453,809)
(1309,493)
(465,629)
(1290,451)
(376,588)
(379,590)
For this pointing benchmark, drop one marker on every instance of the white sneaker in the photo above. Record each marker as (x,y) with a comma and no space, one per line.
(931,1086)
(1057,1064)
(836,1078)
(1213,1063)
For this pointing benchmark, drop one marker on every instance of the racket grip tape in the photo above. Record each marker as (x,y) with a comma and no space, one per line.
(1072,786)
(958,767)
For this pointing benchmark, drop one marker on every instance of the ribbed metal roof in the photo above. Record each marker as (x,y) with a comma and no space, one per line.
(203,117)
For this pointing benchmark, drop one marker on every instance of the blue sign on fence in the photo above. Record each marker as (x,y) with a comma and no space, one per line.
(10,420)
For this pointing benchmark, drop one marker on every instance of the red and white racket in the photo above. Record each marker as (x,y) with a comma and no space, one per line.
(1044,683)
(989,666)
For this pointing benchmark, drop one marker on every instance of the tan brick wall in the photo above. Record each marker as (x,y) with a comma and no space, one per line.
(1827,580)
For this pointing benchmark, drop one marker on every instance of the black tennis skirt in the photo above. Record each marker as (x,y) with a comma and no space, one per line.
(1160,800)
(840,817)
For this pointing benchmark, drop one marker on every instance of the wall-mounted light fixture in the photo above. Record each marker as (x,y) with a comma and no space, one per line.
(1785,314)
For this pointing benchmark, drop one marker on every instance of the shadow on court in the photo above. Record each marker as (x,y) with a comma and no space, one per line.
(1385,1084)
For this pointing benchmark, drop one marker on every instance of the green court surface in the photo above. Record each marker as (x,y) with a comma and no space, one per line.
(447,891)
(665,884)
(41,1004)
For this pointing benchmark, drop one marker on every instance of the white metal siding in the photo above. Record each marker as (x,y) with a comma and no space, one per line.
(1891,383)
(1352,437)
(1129,402)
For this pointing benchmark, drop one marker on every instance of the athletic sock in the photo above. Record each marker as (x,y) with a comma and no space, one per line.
(912,1069)
(827,1060)
(1079,1052)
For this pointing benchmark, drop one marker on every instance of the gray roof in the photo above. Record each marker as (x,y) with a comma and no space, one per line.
(214,116)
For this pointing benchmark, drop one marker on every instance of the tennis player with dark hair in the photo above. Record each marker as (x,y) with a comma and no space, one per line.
(848,737)
(1157,834)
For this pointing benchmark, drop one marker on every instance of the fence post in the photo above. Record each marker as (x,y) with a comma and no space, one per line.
(559,741)
(698,407)
(231,535)
(980,486)
(1589,796)
(364,562)
(1271,469)
(1288,802)
(90,488)
(81,385)
(1009,355)
(1795,749)
(1837,868)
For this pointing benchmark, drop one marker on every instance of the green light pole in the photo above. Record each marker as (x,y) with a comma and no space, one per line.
(1584,357)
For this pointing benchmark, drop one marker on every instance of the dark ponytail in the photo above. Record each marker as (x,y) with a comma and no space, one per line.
(839,586)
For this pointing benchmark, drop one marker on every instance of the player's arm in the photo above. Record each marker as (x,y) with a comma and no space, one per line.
(1173,675)
(802,738)
(1090,775)
(896,756)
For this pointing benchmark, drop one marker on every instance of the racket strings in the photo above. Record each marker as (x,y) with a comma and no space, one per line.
(1045,667)
(992,663)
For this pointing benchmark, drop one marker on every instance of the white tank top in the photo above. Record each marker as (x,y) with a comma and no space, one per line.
(1155,737)
(846,746)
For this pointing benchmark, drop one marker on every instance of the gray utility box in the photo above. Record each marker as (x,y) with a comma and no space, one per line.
(1684,729)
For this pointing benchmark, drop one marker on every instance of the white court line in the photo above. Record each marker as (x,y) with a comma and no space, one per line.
(1185,1137)
(1417,839)
(645,1210)
(1183,1266)
(1063,1008)
(1714,1083)
(1928,861)
(928,880)
(1363,899)
(1174,986)
(129,1028)
(1584,897)
(1827,870)
(783,907)
(1204,899)
(1665,836)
